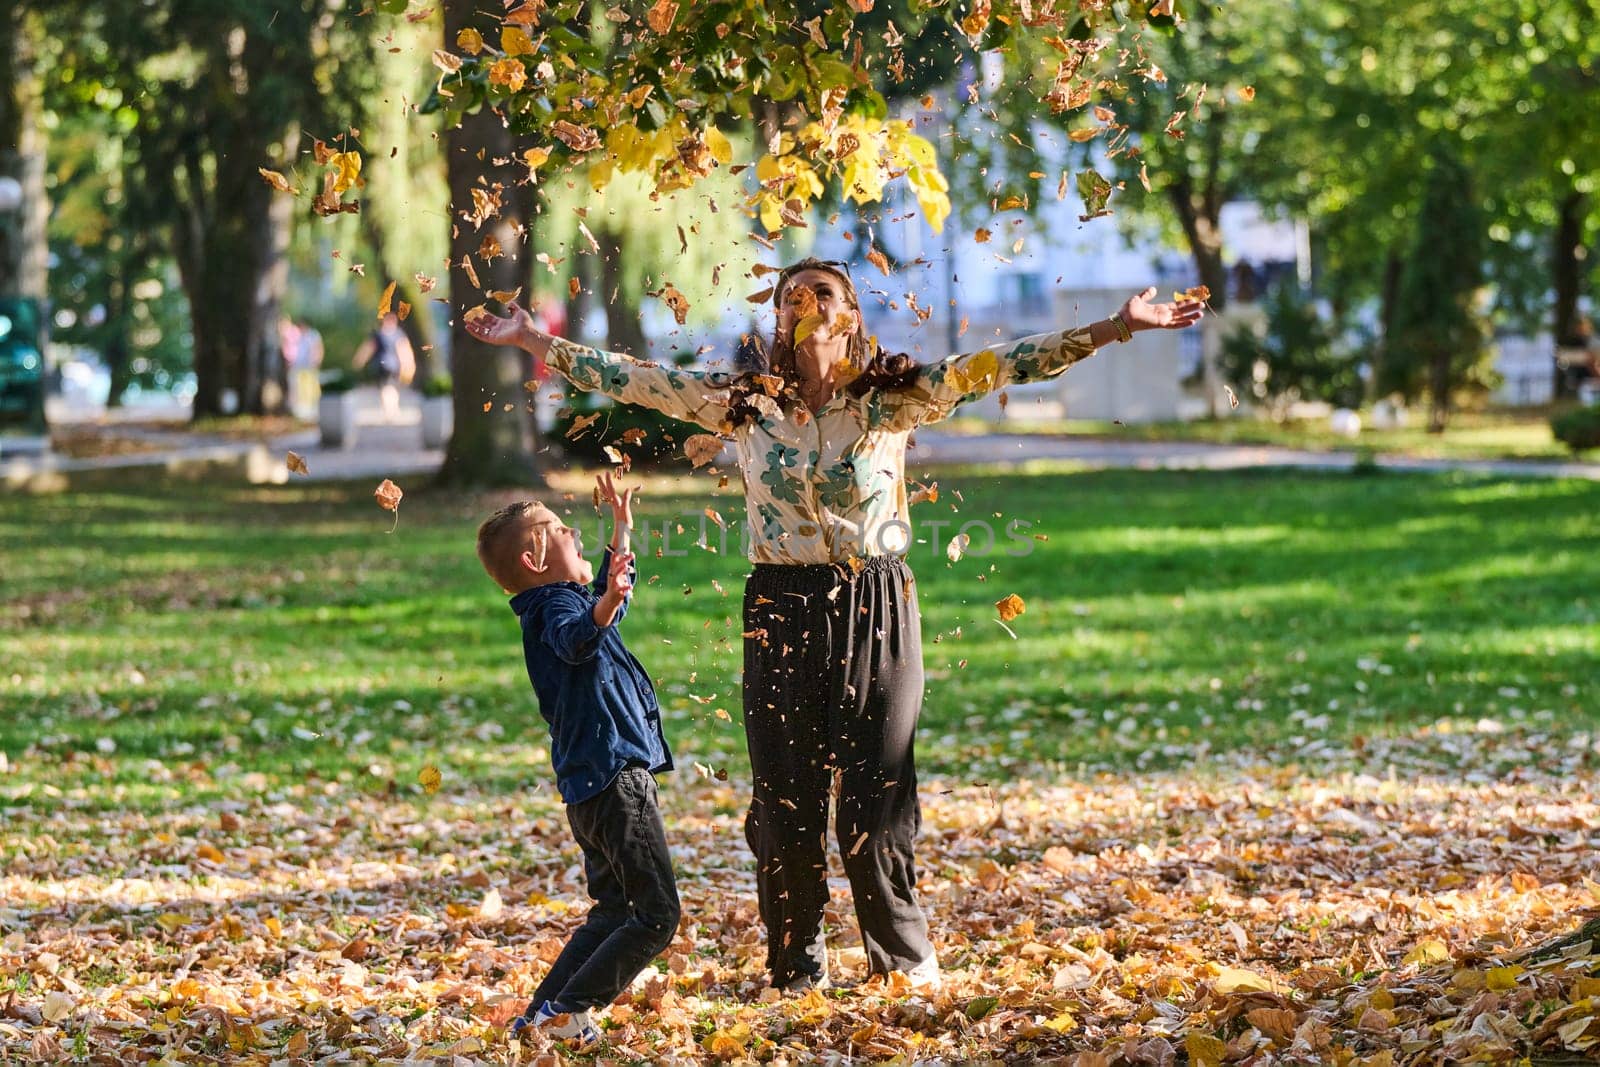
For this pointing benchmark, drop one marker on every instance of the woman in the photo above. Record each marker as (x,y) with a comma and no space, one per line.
(833,654)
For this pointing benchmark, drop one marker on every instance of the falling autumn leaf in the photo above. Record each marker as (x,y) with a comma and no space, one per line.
(277,181)
(677,302)
(296,463)
(582,424)
(388,496)
(702,448)
(386,300)
(661,14)
(1009,607)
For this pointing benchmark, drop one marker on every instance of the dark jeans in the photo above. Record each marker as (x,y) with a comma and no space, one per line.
(635,913)
(834,687)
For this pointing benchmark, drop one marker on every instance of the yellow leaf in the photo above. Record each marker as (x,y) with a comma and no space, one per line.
(514,41)
(386,301)
(806,327)
(172,921)
(536,157)
(1428,952)
(1503,979)
(1204,1050)
(1010,606)
(208,852)
(1062,1023)
(430,779)
(348,167)
(274,927)
(1240,980)
(470,41)
(721,149)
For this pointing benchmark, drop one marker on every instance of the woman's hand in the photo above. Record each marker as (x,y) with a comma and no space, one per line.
(1140,314)
(515,329)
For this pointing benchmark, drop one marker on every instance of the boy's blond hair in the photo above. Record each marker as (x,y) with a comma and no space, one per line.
(503,537)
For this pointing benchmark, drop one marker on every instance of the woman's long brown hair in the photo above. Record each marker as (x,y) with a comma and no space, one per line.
(876,369)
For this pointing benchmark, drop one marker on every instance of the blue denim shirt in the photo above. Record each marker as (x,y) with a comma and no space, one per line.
(599,702)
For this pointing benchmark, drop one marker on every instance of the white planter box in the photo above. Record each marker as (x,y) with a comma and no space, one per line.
(336,415)
(438,420)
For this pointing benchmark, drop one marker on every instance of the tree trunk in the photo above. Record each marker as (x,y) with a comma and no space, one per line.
(1566,269)
(236,274)
(624,331)
(1440,377)
(1200,217)
(1394,266)
(495,441)
(24,250)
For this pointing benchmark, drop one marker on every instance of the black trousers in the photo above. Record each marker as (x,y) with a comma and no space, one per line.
(832,691)
(635,913)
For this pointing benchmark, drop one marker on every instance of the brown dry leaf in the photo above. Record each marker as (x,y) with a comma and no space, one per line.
(762,296)
(277,181)
(1247,93)
(402,311)
(582,424)
(505,296)
(388,496)
(981,235)
(879,260)
(578,138)
(296,463)
(1233,398)
(425,284)
(677,302)
(702,448)
(661,14)
(1009,607)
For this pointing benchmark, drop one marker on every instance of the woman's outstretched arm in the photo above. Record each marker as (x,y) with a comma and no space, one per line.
(943,386)
(700,397)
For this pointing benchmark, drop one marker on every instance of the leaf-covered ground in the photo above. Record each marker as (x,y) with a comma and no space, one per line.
(1277,770)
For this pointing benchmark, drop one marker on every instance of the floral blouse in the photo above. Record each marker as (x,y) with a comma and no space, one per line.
(828,487)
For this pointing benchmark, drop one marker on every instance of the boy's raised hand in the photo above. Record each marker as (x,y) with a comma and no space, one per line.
(621,504)
(619,582)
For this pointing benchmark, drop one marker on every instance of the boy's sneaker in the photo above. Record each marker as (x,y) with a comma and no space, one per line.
(574,1026)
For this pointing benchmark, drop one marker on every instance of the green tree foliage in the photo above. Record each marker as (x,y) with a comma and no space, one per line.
(1296,356)
(1438,345)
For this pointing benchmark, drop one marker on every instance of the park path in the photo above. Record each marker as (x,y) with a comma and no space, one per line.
(394,450)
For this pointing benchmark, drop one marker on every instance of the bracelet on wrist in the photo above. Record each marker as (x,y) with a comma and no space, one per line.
(1124,334)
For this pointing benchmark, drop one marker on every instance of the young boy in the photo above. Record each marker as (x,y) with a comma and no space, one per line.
(605,742)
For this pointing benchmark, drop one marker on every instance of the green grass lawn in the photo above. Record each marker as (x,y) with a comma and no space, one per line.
(1470,435)
(158,645)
